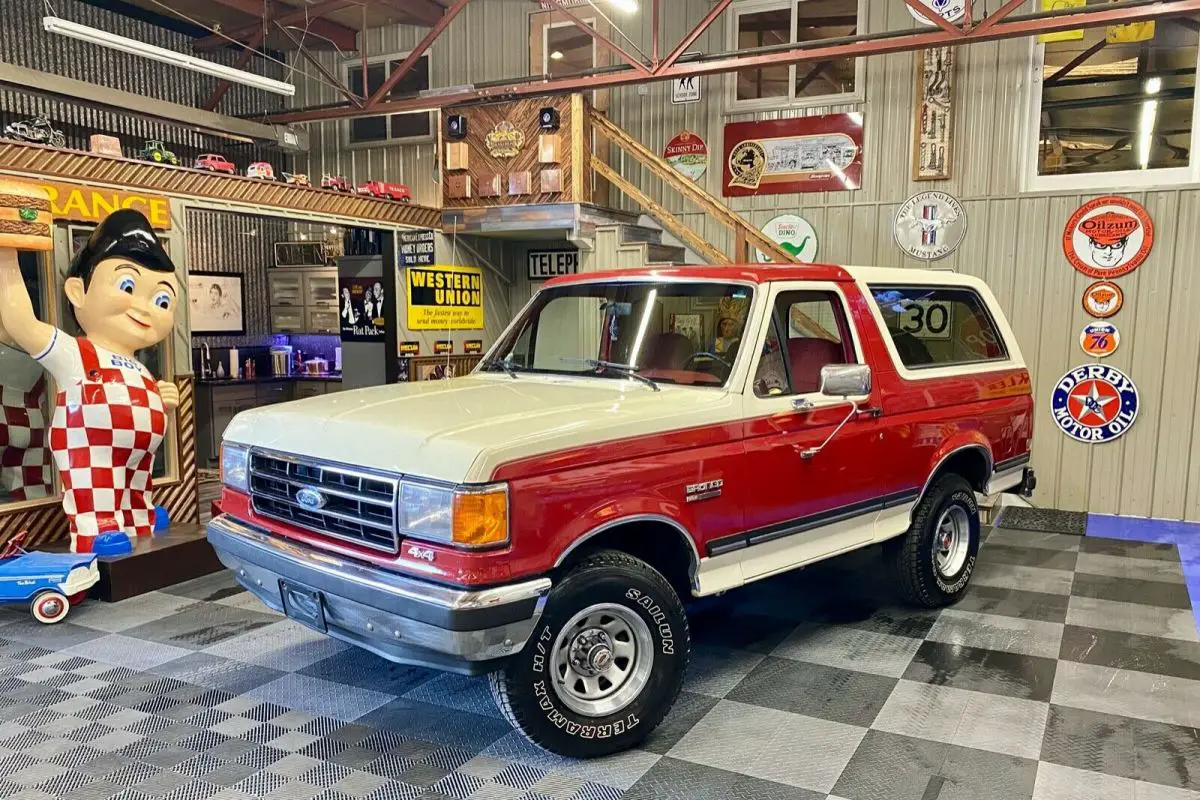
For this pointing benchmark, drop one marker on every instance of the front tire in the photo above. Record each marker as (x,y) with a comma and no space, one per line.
(605,661)
(933,562)
(50,607)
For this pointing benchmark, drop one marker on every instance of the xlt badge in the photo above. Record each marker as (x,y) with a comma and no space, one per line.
(704,491)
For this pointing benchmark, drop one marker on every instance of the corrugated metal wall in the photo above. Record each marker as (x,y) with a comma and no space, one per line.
(24,43)
(1014,240)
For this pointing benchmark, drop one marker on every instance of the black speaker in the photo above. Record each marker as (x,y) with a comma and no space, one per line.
(456,126)
(548,119)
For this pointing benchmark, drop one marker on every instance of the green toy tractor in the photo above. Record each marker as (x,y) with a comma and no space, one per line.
(157,152)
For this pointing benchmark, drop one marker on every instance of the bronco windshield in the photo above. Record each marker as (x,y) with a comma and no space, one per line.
(684,333)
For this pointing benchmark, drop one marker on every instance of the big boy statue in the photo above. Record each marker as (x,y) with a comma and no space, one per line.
(110,414)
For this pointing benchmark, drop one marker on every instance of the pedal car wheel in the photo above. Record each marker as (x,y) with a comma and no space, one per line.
(605,661)
(49,607)
(77,598)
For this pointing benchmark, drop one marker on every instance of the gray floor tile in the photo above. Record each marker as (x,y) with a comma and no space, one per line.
(1128,590)
(1128,693)
(356,667)
(891,766)
(126,651)
(1014,603)
(689,709)
(772,745)
(117,617)
(282,645)
(322,697)
(716,670)
(619,771)
(437,724)
(815,690)
(1140,569)
(1013,537)
(979,670)
(1120,650)
(992,632)
(1089,612)
(1027,579)
(459,692)
(1130,549)
(672,779)
(1056,782)
(850,648)
(201,625)
(968,719)
(997,551)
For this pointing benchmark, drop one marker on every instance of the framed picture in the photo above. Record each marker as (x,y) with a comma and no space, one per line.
(436,368)
(215,304)
(933,118)
(691,326)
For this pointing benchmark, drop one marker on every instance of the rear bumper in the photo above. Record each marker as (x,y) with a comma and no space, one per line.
(399,618)
(1028,483)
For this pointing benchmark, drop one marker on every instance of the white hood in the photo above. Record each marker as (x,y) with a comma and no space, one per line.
(460,430)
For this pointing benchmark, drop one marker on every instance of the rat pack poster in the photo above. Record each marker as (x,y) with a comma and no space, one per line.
(362,308)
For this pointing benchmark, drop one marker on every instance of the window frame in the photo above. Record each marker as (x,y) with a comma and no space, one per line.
(733,105)
(1106,182)
(773,322)
(434,116)
(592,22)
(987,301)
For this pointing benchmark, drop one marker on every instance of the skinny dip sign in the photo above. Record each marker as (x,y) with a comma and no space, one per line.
(445,298)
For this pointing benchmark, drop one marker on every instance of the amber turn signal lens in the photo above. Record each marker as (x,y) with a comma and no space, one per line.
(481,519)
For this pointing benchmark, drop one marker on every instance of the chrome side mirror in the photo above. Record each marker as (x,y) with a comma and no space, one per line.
(845,380)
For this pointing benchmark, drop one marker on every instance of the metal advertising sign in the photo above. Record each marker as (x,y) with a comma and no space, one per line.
(1108,237)
(685,90)
(545,264)
(794,234)
(1103,299)
(1094,403)
(445,298)
(806,154)
(949,10)
(1099,339)
(688,154)
(930,225)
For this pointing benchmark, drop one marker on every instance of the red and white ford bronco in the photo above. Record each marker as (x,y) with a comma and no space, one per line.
(633,440)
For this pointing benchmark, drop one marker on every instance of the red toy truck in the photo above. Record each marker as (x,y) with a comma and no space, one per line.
(633,439)
(214,162)
(389,191)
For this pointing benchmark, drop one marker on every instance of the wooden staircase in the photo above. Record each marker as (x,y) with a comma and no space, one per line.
(747,237)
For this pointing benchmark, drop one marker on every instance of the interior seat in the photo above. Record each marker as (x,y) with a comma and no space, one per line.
(807,355)
(668,351)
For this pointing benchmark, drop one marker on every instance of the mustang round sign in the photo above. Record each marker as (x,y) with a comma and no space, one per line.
(930,225)
(1108,237)
(1094,403)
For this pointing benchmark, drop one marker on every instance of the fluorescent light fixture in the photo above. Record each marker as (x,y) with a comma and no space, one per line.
(134,47)
(1145,136)
(624,6)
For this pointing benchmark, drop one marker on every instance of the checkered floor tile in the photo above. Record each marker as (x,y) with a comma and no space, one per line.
(1071,671)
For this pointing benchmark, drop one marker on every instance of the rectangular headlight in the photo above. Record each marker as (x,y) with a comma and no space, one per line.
(475,517)
(235,466)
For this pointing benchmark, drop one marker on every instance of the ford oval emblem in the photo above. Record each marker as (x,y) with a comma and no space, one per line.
(310,499)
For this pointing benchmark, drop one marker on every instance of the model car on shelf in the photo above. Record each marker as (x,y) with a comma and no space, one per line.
(157,152)
(296,178)
(215,162)
(37,130)
(634,439)
(335,182)
(49,582)
(262,170)
(387,191)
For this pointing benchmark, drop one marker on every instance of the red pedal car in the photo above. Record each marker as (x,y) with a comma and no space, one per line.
(214,162)
(335,182)
(387,191)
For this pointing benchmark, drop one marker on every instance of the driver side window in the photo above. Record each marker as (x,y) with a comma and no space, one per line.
(808,331)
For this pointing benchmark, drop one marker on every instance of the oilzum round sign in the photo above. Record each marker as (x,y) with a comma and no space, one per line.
(1094,403)
(1108,237)
(930,225)
(1103,299)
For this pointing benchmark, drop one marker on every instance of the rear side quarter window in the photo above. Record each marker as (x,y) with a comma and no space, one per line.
(939,326)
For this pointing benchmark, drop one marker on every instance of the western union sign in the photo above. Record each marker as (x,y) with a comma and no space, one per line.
(442,298)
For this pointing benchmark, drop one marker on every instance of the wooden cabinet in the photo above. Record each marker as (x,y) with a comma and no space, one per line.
(304,300)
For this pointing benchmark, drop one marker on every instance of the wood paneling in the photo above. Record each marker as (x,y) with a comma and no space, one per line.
(492,180)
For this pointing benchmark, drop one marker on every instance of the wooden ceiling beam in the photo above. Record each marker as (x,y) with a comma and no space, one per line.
(340,35)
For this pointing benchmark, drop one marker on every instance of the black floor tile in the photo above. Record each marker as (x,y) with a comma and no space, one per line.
(672,779)
(368,671)
(1130,651)
(1131,590)
(979,670)
(1043,519)
(201,626)
(1013,603)
(815,691)
(1121,547)
(997,553)
(887,765)
(979,775)
(1129,748)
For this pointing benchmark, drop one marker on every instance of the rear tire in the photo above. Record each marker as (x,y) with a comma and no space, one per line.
(605,661)
(934,560)
(49,607)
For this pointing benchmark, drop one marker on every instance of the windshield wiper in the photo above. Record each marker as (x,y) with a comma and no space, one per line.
(508,368)
(628,369)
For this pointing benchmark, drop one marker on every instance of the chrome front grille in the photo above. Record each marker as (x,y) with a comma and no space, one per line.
(344,503)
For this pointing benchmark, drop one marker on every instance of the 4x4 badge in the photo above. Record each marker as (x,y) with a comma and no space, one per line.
(704,491)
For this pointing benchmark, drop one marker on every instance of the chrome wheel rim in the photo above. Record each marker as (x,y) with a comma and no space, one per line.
(601,660)
(952,540)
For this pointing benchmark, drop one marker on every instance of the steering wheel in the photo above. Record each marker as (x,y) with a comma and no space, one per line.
(13,546)
(705,354)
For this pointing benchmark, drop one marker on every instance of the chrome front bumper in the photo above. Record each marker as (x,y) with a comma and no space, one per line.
(402,619)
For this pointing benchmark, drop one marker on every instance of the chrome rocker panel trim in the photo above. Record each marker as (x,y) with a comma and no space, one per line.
(402,619)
